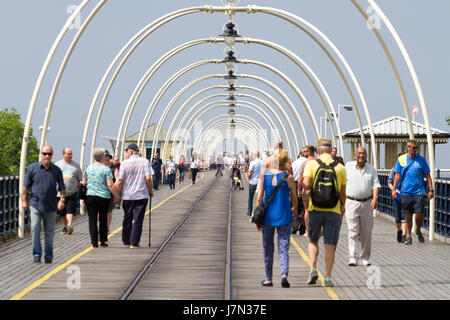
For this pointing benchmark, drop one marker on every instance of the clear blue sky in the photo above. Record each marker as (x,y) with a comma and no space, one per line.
(28,29)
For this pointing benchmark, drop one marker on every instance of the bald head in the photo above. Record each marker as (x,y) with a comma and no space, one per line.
(67,155)
(361,156)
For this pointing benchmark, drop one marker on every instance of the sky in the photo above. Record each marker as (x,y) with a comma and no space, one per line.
(29,28)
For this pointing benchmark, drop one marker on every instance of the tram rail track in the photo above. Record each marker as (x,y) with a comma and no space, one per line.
(141,274)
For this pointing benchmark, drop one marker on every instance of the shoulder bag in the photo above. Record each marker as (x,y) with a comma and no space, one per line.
(260,211)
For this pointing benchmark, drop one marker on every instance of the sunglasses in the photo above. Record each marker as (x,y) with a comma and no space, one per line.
(414,148)
(47,153)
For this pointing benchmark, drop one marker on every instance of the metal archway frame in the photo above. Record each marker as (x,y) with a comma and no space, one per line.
(242,120)
(187,115)
(252,125)
(241,133)
(203,110)
(253,97)
(214,105)
(251,9)
(168,83)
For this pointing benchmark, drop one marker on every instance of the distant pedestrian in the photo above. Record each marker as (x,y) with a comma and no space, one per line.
(336,157)
(410,171)
(72,176)
(157,168)
(195,166)
(299,224)
(171,172)
(98,180)
(396,203)
(181,169)
(111,204)
(43,179)
(278,215)
(327,215)
(219,164)
(362,196)
(254,172)
(135,181)
(309,154)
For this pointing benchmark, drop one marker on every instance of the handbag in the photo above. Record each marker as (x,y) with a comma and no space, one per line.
(259,213)
(82,192)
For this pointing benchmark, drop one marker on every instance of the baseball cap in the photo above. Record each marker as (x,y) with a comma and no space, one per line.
(108,154)
(132,146)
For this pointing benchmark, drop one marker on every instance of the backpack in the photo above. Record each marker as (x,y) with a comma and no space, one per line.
(325,192)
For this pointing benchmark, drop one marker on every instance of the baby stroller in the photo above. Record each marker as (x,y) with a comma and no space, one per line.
(236,179)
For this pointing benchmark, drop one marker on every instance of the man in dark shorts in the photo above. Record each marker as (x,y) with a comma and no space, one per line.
(410,171)
(327,218)
(72,176)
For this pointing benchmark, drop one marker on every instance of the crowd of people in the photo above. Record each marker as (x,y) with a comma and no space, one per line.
(321,191)
(310,196)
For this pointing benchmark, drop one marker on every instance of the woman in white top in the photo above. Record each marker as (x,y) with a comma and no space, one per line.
(195,165)
(171,172)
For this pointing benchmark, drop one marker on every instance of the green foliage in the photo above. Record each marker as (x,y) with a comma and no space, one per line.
(11,135)
(448,120)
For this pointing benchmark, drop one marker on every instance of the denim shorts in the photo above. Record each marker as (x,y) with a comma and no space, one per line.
(413,204)
(330,221)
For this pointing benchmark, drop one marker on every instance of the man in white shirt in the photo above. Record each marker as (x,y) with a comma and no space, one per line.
(362,196)
(253,177)
(298,224)
(135,176)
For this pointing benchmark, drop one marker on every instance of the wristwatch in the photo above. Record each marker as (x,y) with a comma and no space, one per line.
(431,191)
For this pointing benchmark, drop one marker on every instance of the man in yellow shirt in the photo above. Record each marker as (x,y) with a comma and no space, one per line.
(330,216)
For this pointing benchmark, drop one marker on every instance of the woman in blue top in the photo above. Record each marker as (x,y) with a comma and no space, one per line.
(279,214)
(100,186)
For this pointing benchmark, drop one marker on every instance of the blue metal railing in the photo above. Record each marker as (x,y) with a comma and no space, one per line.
(9,206)
(442,204)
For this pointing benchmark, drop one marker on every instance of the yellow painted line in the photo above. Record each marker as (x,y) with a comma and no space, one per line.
(331,293)
(60,267)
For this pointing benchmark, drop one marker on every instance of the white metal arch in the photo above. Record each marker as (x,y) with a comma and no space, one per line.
(198,114)
(168,83)
(217,104)
(188,116)
(162,119)
(242,132)
(251,124)
(250,9)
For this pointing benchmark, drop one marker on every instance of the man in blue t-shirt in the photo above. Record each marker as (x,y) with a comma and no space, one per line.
(410,171)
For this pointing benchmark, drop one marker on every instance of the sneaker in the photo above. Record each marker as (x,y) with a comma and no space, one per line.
(37,259)
(47,260)
(420,237)
(399,236)
(313,276)
(366,263)
(352,263)
(69,229)
(64,230)
(408,241)
(328,283)
(403,239)
(134,247)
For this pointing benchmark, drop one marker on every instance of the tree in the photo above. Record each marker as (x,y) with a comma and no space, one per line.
(11,135)
(448,120)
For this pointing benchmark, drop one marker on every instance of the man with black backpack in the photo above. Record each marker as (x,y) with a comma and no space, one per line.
(324,195)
